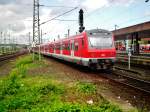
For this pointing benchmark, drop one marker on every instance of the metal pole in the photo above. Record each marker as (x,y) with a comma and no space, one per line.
(41,36)
(68,33)
(4,42)
(1,42)
(29,47)
(39,47)
(129,59)
(129,63)
(39,52)
(36,24)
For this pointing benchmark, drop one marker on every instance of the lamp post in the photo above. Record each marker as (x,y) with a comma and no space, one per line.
(117,42)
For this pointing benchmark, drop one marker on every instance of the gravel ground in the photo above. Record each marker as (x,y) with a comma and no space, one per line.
(6,67)
(125,96)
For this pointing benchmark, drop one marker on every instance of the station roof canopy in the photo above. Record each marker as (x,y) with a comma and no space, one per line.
(143,30)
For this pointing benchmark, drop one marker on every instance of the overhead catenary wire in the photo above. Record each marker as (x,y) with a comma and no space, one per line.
(61,6)
(59,15)
(65,20)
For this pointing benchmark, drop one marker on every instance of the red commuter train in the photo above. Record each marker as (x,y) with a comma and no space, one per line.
(93,48)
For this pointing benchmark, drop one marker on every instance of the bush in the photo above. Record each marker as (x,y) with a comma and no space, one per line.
(109,107)
(9,87)
(19,72)
(51,88)
(86,87)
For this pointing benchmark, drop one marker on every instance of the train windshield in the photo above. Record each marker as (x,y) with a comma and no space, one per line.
(100,41)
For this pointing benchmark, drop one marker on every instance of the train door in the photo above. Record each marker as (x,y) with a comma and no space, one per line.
(82,49)
(72,47)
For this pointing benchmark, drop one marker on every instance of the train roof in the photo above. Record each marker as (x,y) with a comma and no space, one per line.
(89,32)
(97,31)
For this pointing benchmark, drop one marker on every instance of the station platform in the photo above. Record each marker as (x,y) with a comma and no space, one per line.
(140,60)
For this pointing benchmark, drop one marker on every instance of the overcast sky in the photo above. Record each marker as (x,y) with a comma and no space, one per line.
(16,16)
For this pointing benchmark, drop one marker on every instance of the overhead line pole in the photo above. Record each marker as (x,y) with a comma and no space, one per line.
(36,25)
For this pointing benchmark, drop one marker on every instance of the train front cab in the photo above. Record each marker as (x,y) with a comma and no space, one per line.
(101,52)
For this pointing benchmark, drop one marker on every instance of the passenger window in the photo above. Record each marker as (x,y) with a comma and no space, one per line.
(76,46)
(82,43)
(68,47)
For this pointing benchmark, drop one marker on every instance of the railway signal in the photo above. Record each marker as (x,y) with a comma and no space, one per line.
(81,21)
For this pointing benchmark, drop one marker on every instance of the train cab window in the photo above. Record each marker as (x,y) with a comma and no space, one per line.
(100,39)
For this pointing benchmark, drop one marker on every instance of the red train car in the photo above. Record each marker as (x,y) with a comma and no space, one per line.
(93,48)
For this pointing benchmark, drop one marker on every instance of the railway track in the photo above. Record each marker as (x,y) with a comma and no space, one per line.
(124,78)
(9,56)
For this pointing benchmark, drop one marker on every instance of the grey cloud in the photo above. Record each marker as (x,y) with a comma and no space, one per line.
(13,12)
(6,1)
(121,2)
(19,26)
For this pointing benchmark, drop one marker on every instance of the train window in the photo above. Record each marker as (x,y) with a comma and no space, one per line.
(63,46)
(82,43)
(76,46)
(58,47)
(68,47)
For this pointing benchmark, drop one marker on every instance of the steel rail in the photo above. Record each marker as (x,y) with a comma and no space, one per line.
(9,56)
(133,82)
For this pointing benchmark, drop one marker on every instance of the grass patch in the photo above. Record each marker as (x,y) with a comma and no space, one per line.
(86,87)
(19,92)
(24,60)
